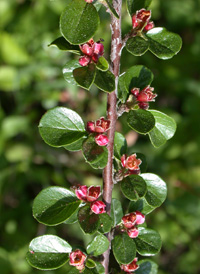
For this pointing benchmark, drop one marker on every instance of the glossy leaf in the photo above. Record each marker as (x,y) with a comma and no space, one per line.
(162,43)
(110,5)
(76,146)
(116,211)
(63,44)
(122,92)
(147,267)
(68,71)
(88,221)
(79,21)
(141,120)
(61,126)
(102,64)
(140,205)
(120,145)
(96,156)
(54,205)
(48,252)
(137,45)
(148,242)
(123,248)
(156,189)
(105,80)
(133,187)
(98,245)
(105,222)
(165,128)
(73,218)
(143,165)
(90,263)
(85,76)
(134,5)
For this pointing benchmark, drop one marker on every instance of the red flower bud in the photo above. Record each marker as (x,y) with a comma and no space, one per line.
(101,140)
(133,232)
(140,218)
(98,49)
(90,127)
(129,220)
(93,193)
(81,193)
(135,91)
(77,258)
(143,15)
(131,162)
(98,207)
(130,267)
(146,95)
(84,61)
(87,49)
(141,19)
(143,105)
(149,26)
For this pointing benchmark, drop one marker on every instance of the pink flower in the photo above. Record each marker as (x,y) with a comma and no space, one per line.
(129,220)
(101,140)
(144,96)
(131,163)
(86,194)
(141,19)
(98,207)
(77,258)
(130,267)
(81,193)
(84,61)
(133,232)
(140,218)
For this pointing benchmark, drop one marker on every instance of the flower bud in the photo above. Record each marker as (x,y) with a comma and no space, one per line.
(77,258)
(98,49)
(143,105)
(101,140)
(135,91)
(146,95)
(93,193)
(81,193)
(86,49)
(149,26)
(129,220)
(84,61)
(130,267)
(140,218)
(98,207)
(90,127)
(133,232)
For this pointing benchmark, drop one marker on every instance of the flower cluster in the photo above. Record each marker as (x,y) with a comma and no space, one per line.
(141,20)
(130,267)
(77,258)
(130,164)
(90,195)
(92,51)
(98,128)
(130,222)
(144,96)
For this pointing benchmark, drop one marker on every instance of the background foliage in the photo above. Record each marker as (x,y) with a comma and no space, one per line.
(31,82)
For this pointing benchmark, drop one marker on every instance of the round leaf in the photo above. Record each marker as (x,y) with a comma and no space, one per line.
(147,267)
(48,252)
(76,146)
(164,129)
(124,248)
(156,189)
(105,80)
(134,5)
(63,44)
(116,211)
(54,205)
(85,76)
(105,223)
(140,205)
(120,145)
(141,120)
(98,245)
(137,45)
(102,64)
(61,126)
(79,21)
(88,222)
(133,187)
(162,43)
(73,218)
(148,242)
(68,71)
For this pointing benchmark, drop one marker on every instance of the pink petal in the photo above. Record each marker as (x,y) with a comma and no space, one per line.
(101,140)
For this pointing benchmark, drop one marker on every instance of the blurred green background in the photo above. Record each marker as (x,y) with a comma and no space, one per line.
(31,82)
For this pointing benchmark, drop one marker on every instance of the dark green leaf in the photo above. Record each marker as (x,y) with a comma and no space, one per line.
(96,156)
(85,76)
(162,43)
(134,5)
(100,268)
(110,5)
(61,126)
(116,211)
(105,80)
(76,146)
(88,221)
(124,248)
(156,189)
(143,165)
(120,145)
(102,64)
(79,21)
(73,218)
(141,205)
(105,223)
(164,129)
(137,46)
(133,187)
(141,120)
(97,5)
(54,205)
(122,91)
(147,267)
(98,245)
(148,242)
(63,44)
(68,71)
(90,263)
(48,252)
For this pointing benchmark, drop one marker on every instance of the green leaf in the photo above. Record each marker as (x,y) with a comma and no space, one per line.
(120,145)
(85,76)
(156,189)
(148,242)
(100,268)
(162,43)
(141,120)
(124,248)
(147,267)
(133,187)
(122,92)
(90,263)
(165,128)
(140,205)
(143,165)
(105,223)
(102,64)
(63,44)
(76,146)
(61,126)
(48,252)
(134,5)
(98,245)
(96,156)
(68,71)
(88,221)
(110,5)
(105,80)
(54,205)
(79,21)
(116,212)
(73,218)
(137,46)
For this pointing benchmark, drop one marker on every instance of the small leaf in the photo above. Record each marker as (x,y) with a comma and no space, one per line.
(100,268)
(140,205)
(48,252)
(96,156)
(156,189)
(110,5)
(76,146)
(116,212)
(63,44)
(133,187)
(90,263)
(122,92)
(88,221)
(98,245)
(85,76)
(137,46)
(165,128)
(68,71)
(162,43)
(79,21)
(54,205)
(147,267)
(134,5)
(143,165)
(102,64)
(124,248)
(105,222)
(141,120)
(120,145)
(148,242)
(61,126)
(105,80)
